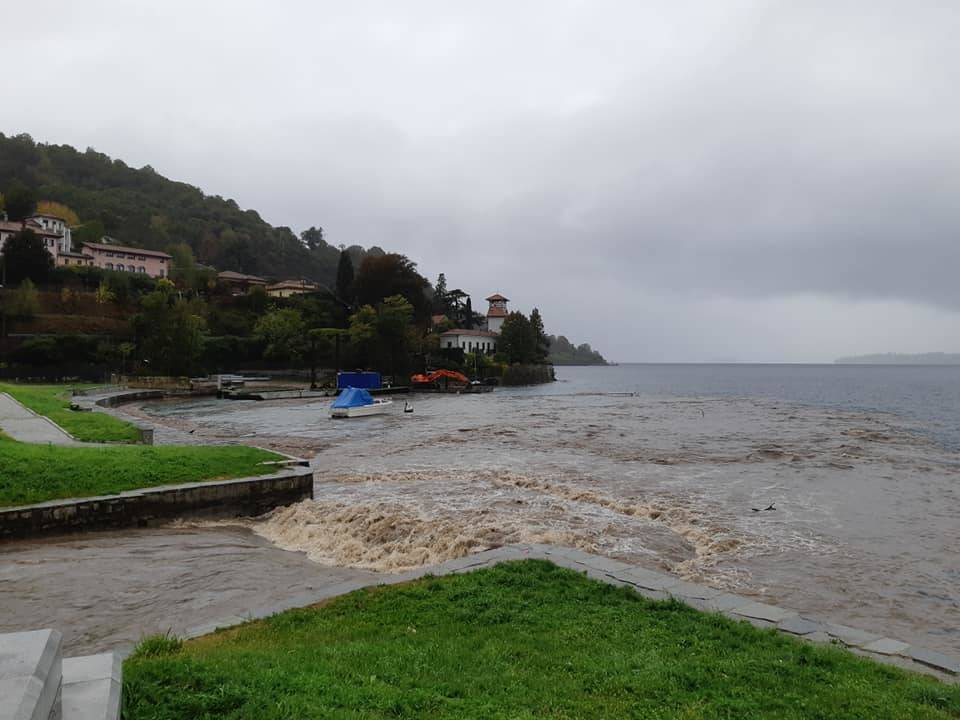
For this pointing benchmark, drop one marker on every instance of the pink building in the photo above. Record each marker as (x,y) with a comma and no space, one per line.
(127,259)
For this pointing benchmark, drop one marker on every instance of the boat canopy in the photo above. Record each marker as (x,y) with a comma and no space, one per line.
(353,397)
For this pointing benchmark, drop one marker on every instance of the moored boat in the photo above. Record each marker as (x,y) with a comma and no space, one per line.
(357,402)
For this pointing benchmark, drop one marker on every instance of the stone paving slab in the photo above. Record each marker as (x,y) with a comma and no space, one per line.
(886,646)
(648,579)
(762,611)
(933,659)
(801,626)
(850,636)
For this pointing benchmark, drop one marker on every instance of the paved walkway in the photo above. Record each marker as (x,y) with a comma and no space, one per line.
(26,426)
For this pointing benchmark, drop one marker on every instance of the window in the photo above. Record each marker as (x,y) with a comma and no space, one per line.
(141,257)
(109,266)
(142,269)
(131,268)
(110,254)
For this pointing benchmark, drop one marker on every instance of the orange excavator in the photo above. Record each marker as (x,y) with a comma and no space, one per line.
(448,375)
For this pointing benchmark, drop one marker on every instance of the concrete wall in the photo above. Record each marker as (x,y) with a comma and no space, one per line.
(140,508)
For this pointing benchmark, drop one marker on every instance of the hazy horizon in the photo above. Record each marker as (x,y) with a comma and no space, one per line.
(687,182)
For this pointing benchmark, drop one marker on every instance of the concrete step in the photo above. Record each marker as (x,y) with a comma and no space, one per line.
(31,675)
(91,687)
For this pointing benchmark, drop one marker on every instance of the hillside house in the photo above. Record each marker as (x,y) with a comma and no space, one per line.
(128,259)
(289,288)
(56,238)
(470,340)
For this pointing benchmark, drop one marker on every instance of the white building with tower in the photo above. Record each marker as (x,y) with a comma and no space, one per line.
(483,340)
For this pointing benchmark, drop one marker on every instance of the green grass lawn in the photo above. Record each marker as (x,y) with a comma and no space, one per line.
(35,473)
(522,640)
(54,402)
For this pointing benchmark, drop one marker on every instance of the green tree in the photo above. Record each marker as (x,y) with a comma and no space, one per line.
(169,333)
(21,201)
(313,238)
(24,256)
(25,301)
(440,306)
(104,294)
(91,231)
(283,334)
(380,277)
(182,265)
(363,334)
(393,329)
(345,278)
(517,342)
(468,314)
(542,342)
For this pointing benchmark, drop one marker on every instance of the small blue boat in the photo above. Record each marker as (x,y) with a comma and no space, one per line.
(357,402)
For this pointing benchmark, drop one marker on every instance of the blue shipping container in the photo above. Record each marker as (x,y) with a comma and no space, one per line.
(366,380)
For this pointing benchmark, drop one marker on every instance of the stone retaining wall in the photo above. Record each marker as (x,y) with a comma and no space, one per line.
(141,508)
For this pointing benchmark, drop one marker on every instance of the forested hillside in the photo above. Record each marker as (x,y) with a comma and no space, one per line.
(140,207)
(563,352)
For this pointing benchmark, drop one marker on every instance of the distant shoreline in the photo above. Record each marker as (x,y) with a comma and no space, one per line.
(932,358)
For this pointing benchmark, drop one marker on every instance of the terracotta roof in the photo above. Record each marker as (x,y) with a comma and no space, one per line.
(15,227)
(496,312)
(125,249)
(497,296)
(231,275)
(474,333)
(437,319)
(82,256)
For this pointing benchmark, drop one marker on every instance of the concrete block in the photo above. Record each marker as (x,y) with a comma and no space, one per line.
(607,565)
(685,591)
(762,611)
(931,658)
(648,579)
(92,687)
(886,646)
(30,675)
(800,626)
(850,636)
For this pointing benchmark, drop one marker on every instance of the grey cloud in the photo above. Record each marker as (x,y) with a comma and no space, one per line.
(795,163)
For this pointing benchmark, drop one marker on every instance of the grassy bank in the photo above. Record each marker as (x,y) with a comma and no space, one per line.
(35,473)
(521,640)
(53,401)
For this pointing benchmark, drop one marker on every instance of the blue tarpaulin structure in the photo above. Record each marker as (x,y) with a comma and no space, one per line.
(353,397)
(369,380)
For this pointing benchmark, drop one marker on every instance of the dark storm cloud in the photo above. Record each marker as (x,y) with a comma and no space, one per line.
(718,173)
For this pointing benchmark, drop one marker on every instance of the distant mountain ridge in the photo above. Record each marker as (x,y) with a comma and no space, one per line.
(141,208)
(931,358)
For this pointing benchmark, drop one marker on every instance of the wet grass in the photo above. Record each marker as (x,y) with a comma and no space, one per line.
(36,473)
(521,640)
(53,401)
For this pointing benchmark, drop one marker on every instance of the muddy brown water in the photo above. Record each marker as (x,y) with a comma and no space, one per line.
(863,530)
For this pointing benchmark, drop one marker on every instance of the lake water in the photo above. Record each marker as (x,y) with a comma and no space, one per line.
(669,466)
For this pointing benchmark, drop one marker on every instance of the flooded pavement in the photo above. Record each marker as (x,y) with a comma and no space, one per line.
(104,590)
(844,514)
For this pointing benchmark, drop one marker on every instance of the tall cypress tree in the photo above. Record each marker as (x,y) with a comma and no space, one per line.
(542,342)
(345,289)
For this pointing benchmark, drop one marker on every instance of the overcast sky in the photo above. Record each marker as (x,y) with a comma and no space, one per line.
(669,181)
